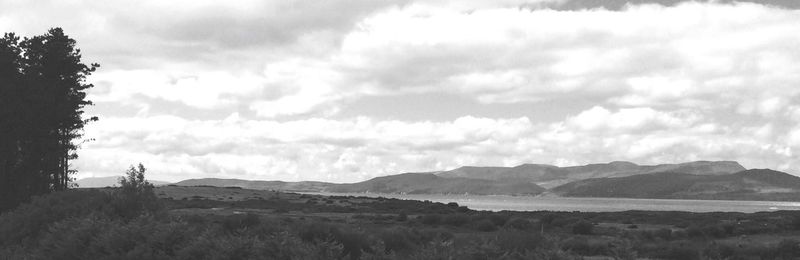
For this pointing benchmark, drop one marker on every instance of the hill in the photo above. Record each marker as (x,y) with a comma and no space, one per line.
(110,181)
(551,176)
(308,186)
(428,183)
(757,184)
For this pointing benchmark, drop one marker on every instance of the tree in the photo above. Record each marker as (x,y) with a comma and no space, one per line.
(10,119)
(42,97)
(135,194)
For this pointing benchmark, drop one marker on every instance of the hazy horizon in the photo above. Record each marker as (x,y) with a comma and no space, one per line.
(343,91)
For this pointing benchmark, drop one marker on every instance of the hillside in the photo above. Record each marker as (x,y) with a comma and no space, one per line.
(745,185)
(427,183)
(692,180)
(309,186)
(549,176)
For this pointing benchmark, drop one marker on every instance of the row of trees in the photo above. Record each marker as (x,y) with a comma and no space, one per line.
(42,97)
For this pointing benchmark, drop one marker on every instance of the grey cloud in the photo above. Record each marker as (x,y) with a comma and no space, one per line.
(279,24)
(617,5)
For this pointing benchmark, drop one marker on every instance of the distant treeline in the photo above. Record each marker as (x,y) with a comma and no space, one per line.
(42,96)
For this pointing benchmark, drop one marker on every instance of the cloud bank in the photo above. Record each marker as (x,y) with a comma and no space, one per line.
(297,90)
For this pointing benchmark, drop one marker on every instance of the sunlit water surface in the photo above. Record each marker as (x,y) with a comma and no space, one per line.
(527,203)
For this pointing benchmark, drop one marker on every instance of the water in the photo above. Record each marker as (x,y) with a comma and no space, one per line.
(523,203)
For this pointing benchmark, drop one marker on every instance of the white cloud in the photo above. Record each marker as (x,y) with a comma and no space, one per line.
(254,88)
(631,119)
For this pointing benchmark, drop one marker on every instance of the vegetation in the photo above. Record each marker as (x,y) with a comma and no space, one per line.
(42,96)
(138,221)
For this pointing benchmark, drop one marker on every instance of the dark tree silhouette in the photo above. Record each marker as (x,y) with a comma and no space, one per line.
(42,97)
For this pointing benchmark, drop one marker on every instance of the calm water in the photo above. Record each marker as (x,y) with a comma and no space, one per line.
(497,203)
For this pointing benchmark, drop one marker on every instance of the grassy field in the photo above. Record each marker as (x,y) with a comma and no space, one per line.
(235,223)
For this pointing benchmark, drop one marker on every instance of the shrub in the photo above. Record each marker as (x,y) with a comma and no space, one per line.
(548,218)
(499,219)
(788,249)
(399,240)
(316,231)
(582,228)
(455,219)
(583,246)
(663,233)
(402,217)
(519,241)
(240,221)
(695,232)
(24,224)
(519,223)
(431,219)
(135,196)
(485,225)
(678,252)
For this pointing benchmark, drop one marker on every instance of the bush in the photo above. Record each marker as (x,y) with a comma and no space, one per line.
(399,240)
(456,220)
(24,224)
(485,225)
(431,219)
(582,228)
(663,233)
(241,221)
(583,246)
(402,217)
(135,196)
(499,219)
(788,249)
(519,241)
(547,219)
(520,224)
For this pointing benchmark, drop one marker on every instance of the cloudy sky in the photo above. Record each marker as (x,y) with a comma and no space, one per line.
(346,90)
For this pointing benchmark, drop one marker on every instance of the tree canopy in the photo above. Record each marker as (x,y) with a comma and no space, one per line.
(42,100)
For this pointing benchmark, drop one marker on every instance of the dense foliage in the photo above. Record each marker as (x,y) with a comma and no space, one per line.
(42,96)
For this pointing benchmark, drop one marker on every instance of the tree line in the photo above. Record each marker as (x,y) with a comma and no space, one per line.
(42,100)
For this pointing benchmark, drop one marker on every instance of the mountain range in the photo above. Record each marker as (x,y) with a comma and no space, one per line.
(691,180)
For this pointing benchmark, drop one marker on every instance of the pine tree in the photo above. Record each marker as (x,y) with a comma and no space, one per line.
(43,89)
(11,113)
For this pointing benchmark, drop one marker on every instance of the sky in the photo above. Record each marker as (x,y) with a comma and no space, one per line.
(347,90)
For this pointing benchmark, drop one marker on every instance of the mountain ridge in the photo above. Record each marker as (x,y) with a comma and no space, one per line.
(689,180)
(549,176)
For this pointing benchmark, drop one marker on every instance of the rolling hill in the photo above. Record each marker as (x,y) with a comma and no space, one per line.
(549,176)
(307,186)
(427,183)
(756,184)
(691,180)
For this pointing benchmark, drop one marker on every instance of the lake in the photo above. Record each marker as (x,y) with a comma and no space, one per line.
(526,203)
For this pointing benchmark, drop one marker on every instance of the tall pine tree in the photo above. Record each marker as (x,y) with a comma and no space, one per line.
(43,89)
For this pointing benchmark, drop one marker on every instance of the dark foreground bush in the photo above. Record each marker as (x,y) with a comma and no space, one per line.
(519,224)
(583,228)
(431,219)
(25,224)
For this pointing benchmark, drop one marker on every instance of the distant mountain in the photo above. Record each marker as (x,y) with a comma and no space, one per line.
(308,186)
(427,183)
(756,184)
(551,176)
(110,181)
(691,180)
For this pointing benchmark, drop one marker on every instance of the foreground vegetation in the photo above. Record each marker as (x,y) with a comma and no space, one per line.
(138,221)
